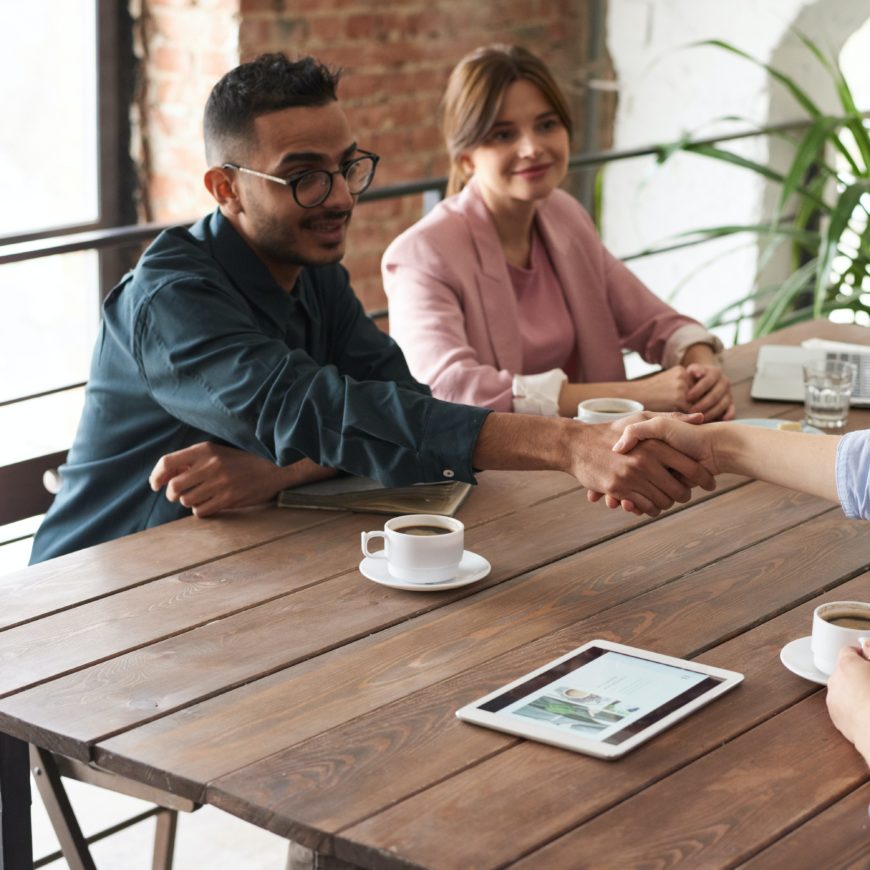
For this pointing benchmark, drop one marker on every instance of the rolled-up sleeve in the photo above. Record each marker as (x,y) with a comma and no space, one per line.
(853,474)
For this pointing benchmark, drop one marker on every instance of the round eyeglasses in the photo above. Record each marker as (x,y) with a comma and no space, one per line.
(312,188)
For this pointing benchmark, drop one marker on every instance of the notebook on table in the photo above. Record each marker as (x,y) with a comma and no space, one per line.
(368,496)
(779,370)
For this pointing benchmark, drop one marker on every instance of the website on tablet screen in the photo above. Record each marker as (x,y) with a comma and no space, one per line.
(602,695)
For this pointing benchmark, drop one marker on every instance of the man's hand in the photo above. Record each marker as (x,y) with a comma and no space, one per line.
(848,698)
(209,478)
(680,432)
(650,478)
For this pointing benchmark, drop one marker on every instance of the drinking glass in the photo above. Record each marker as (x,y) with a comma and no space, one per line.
(827,388)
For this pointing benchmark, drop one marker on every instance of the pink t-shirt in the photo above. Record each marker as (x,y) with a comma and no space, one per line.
(545,323)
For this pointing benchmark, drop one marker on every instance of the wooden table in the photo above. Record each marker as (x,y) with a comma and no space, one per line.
(244,662)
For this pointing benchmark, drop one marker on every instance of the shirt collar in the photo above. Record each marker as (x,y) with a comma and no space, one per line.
(248,272)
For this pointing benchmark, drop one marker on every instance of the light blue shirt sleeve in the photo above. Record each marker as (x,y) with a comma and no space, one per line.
(853,474)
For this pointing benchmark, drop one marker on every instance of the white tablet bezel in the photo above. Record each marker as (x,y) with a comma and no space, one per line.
(473,713)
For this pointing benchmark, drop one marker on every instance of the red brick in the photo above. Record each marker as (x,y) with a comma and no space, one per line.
(326,28)
(171,60)
(426,138)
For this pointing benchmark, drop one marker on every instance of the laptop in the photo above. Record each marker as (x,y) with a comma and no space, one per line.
(779,372)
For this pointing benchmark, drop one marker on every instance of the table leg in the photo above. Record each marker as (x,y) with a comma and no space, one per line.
(16,841)
(302,858)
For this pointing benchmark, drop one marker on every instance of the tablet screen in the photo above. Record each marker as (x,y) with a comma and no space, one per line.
(601,695)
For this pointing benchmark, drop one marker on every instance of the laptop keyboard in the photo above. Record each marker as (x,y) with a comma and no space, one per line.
(862,364)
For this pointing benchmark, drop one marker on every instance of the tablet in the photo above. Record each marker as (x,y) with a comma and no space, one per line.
(602,698)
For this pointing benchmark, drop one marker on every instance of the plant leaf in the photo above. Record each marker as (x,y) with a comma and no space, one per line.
(793,286)
(808,155)
(838,223)
(847,100)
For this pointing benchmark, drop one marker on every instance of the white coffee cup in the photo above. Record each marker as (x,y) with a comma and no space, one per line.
(419,548)
(606,410)
(835,625)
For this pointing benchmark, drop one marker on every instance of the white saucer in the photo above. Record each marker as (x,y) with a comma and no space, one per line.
(798,658)
(773,423)
(471,569)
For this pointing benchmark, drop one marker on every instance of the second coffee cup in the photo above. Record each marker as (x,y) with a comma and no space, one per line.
(419,548)
(606,410)
(835,625)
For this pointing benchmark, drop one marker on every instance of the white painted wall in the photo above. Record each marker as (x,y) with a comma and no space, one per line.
(667,90)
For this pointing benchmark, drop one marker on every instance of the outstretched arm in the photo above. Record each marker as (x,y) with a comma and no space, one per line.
(792,459)
(652,478)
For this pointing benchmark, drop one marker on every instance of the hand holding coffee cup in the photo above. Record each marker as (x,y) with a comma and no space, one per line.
(419,548)
(835,625)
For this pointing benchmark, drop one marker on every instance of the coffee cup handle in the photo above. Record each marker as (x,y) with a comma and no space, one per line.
(368,536)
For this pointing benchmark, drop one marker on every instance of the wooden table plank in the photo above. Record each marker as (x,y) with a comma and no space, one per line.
(352,773)
(151,611)
(247,645)
(95,572)
(725,600)
(837,837)
(74,579)
(447,642)
(729,804)
(566,791)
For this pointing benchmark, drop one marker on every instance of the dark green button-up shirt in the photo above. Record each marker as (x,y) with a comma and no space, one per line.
(200,343)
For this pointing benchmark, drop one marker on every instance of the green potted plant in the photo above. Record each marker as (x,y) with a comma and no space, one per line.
(821,213)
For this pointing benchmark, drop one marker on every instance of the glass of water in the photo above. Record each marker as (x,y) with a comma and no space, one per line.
(827,387)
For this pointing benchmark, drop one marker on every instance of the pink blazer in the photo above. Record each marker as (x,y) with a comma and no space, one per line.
(454,313)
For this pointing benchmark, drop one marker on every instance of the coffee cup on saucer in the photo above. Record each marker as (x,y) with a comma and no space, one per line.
(835,625)
(606,410)
(419,548)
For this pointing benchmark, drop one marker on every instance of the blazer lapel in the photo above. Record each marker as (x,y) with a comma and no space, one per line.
(493,283)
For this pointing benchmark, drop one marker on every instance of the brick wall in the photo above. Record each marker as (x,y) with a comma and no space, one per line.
(396,56)
(183,48)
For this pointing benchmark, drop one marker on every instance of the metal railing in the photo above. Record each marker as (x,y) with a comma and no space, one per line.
(66,241)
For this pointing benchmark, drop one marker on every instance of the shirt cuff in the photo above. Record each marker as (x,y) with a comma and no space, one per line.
(539,394)
(680,340)
(852,466)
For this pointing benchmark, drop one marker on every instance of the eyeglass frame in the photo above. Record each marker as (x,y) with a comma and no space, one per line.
(292,183)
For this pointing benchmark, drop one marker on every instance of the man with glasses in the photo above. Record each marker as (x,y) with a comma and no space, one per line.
(237,351)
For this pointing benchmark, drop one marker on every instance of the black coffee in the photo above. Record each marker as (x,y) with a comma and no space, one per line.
(849,620)
(424,530)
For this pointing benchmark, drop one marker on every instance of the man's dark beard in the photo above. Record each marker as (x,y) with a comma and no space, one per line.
(280,247)
(330,215)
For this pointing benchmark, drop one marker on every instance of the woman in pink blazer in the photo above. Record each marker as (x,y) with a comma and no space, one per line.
(504,296)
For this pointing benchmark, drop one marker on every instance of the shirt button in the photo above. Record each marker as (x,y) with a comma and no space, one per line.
(448,472)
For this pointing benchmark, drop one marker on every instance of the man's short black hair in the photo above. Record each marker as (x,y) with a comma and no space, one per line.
(268,83)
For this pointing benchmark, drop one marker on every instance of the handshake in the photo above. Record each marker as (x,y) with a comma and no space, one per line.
(655,459)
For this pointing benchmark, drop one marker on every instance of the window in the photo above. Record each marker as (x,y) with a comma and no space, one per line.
(66,75)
